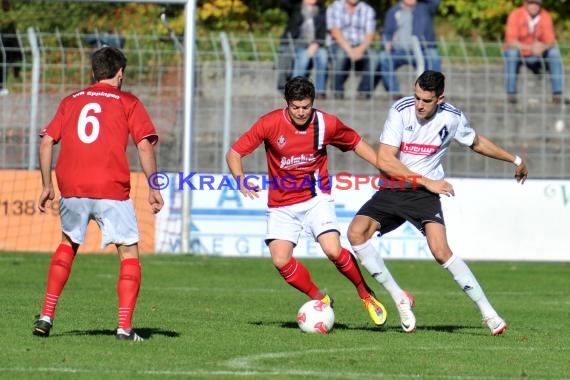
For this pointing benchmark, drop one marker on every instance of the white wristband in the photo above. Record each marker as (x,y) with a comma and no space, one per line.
(517,161)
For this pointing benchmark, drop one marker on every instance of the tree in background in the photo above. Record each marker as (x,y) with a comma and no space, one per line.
(465,18)
(222,15)
(487,18)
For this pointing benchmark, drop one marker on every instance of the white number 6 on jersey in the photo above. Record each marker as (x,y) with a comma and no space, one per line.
(85,119)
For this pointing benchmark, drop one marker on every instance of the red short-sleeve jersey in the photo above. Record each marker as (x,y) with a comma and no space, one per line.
(93,127)
(296,157)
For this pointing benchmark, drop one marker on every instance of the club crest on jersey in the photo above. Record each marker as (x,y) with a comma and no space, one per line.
(281,140)
(443,133)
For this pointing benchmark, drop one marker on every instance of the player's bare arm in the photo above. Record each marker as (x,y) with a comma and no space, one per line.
(147,159)
(488,148)
(366,152)
(248,189)
(47,195)
(388,162)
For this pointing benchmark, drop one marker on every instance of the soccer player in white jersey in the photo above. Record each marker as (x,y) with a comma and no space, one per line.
(295,140)
(416,136)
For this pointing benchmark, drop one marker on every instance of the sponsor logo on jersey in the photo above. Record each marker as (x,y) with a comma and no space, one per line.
(296,160)
(409,128)
(418,149)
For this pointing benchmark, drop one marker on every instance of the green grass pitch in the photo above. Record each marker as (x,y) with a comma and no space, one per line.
(229,318)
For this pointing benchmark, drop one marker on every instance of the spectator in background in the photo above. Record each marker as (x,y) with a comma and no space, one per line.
(530,39)
(10,51)
(307,29)
(352,26)
(404,21)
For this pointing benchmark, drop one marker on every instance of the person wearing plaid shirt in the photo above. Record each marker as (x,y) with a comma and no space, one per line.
(352,27)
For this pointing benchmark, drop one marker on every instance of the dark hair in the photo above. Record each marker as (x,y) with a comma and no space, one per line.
(106,62)
(299,88)
(432,81)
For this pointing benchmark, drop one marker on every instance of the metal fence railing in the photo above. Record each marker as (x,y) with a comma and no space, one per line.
(474,71)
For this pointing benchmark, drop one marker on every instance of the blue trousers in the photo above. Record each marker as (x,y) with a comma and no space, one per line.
(552,62)
(303,64)
(341,65)
(390,61)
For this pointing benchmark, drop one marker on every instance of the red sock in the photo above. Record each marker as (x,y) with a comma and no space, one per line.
(128,291)
(347,265)
(299,277)
(58,273)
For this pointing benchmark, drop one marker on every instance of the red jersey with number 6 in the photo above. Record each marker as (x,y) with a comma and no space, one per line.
(93,127)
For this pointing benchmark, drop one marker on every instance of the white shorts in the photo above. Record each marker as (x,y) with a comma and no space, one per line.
(116,219)
(315,216)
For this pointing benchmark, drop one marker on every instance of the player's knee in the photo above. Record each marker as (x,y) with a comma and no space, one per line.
(441,254)
(331,248)
(331,253)
(355,236)
(359,231)
(280,262)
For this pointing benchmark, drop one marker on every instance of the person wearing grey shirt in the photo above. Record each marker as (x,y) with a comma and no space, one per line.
(307,30)
(405,21)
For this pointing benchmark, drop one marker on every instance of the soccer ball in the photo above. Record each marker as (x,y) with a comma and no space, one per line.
(315,317)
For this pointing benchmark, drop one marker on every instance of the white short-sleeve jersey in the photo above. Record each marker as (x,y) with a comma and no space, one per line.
(423,143)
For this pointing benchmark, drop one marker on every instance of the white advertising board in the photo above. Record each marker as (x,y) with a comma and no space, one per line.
(486,220)
(503,220)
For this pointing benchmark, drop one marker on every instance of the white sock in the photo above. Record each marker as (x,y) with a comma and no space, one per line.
(374,264)
(468,283)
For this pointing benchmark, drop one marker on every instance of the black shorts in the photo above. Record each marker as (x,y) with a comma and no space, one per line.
(391,208)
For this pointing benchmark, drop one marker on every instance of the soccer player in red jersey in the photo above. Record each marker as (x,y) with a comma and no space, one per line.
(93,127)
(295,140)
